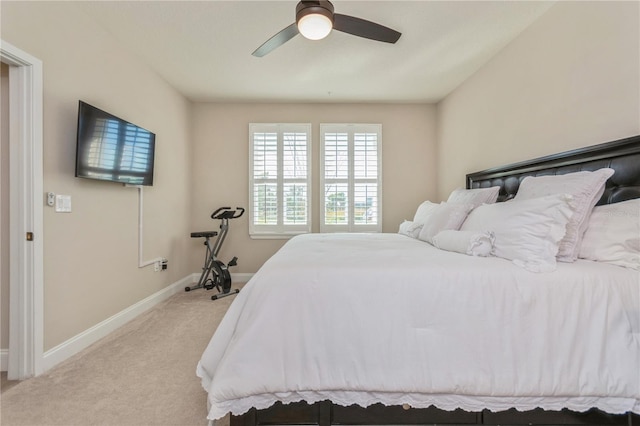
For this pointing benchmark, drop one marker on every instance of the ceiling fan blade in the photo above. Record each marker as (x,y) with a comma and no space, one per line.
(363,28)
(277,40)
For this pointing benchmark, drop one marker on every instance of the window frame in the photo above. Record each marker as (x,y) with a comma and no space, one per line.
(280,229)
(351,181)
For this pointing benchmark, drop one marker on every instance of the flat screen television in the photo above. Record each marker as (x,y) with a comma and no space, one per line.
(112,149)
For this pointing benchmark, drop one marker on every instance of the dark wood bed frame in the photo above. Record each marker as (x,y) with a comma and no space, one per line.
(621,155)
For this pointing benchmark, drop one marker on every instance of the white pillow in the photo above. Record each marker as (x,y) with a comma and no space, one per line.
(527,232)
(475,197)
(613,235)
(423,212)
(410,229)
(465,242)
(586,188)
(442,217)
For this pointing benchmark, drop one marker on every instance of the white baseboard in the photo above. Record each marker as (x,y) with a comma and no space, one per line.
(81,341)
(4,359)
(238,278)
(242,277)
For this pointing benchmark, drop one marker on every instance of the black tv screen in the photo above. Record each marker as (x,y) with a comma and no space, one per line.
(112,149)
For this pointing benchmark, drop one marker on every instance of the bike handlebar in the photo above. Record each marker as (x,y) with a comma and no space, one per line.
(227,213)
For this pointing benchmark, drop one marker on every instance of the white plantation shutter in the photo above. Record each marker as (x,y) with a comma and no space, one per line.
(351,178)
(265,178)
(336,178)
(365,176)
(280,179)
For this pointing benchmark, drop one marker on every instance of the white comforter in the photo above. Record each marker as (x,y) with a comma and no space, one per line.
(368,318)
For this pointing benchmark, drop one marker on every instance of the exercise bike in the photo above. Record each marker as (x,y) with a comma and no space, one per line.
(214,272)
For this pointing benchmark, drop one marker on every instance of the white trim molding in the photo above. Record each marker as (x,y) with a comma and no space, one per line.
(240,277)
(4,357)
(66,349)
(26,235)
(81,341)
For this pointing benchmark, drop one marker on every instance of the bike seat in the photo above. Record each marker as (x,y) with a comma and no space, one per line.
(204,234)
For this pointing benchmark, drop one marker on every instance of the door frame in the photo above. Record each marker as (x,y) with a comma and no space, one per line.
(26,260)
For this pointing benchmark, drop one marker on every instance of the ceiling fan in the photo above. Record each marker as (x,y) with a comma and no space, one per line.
(315,19)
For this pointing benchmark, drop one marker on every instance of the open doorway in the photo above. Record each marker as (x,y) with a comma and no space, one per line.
(25,263)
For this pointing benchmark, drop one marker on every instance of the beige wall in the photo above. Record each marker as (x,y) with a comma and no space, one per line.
(4,206)
(569,80)
(91,255)
(220,163)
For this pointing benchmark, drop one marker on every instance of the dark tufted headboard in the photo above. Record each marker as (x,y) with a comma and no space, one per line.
(622,155)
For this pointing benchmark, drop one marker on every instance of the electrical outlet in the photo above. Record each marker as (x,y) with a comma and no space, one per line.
(156,266)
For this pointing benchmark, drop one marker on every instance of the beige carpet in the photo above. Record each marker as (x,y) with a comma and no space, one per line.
(141,374)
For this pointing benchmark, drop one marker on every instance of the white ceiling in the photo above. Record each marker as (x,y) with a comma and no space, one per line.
(203,48)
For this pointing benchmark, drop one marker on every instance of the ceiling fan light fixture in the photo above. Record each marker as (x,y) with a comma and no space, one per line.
(314,19)
(315,26)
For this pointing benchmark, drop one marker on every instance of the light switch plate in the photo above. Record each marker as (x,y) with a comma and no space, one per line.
(63,203)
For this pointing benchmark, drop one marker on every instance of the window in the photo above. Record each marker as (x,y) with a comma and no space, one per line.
(280,179)
(351,177)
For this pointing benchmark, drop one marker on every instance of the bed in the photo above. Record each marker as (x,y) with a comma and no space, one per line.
(386,329)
